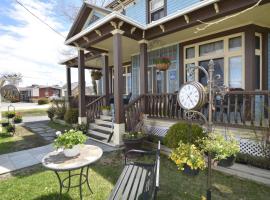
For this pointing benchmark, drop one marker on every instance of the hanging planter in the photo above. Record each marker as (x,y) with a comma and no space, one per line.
(163,63)
(96,75)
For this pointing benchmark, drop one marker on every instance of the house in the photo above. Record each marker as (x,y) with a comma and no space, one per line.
(35,92)
(75,90)
(125,39)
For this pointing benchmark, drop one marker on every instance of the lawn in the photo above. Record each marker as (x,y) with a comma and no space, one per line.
(32,112)
(58,127)
(23,139)
(40,184)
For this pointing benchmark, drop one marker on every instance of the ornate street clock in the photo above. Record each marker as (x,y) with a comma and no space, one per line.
(192,96)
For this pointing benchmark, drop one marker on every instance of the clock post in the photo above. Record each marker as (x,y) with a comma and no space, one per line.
(193,96)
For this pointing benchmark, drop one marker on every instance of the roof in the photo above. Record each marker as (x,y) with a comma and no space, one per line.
(144,27)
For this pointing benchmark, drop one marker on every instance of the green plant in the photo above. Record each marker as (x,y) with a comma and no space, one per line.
(133,135)
(43,101)
(219,147)
(71,116)
(10,128)
(105,107)
(9,114)
(60,108)
(163,60)
(69,139)
(82,127)
(188,154)
(187,133)
(51,112)
(17,118)
(255,161)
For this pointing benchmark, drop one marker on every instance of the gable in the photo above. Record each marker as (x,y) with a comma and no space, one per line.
(87,15)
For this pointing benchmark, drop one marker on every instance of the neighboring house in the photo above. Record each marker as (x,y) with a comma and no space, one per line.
(35,92)
(125,39)
(75,90)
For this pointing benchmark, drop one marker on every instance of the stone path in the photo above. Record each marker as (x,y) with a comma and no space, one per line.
(26,158)
(41,128)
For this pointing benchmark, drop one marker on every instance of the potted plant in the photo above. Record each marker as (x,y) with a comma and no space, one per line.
(70,141)
(188,159)
(18,118)
(163,63)
(10,114)
(221,149)
(10,128)
(105,110)
(133,140)
(96,74)
(4,123)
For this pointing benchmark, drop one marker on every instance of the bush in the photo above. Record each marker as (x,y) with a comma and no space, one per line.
(60,108)
(82,127)
(43,101)
(51,112)
(255,161)
(184,132)
(18,118)
(71,116)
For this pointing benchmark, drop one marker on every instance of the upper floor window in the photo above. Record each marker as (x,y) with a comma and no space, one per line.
(157,9)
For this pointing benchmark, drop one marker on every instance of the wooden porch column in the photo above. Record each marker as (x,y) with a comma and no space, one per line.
(81,80)
(143,67)
(250,69)
(119,120)
(105,78)
(69,94)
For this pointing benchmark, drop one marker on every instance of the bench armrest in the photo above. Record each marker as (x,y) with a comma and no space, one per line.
(134,151)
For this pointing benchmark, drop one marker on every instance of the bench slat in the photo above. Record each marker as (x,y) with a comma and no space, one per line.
(130,185)
(142,183)
(136,184)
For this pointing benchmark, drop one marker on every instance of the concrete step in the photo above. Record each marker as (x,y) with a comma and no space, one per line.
(105,117)
(100,121)
(102,135)
(102,127)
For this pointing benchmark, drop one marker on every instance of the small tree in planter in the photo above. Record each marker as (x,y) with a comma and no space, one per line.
(70,141)
(188,159)
(163,63)
(133,140)
(221,149)
(105,110)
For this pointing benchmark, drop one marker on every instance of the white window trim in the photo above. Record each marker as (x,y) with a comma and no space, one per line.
(226,54)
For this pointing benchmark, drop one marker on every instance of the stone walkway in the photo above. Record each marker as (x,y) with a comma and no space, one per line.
(21,159)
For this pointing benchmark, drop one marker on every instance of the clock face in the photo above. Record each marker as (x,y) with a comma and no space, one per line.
(189,96)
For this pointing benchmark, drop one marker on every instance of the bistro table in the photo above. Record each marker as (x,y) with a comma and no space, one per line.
(58,162)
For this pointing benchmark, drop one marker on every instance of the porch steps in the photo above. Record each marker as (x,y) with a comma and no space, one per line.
(101,129)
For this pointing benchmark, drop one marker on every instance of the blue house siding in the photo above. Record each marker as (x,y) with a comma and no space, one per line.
(268,61)
(137,11)
(175,5)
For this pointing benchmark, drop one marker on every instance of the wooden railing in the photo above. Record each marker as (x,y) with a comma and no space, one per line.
(133,111)
(88,99)
(239,108)
(93,109)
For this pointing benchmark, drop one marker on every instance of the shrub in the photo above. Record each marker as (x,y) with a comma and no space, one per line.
(60,108)
(71,116)
(255,161)
(43,101)
(18,118)
(82,127)
(51,112)
(184,132)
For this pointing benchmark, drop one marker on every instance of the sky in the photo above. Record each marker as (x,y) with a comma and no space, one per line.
(29,47)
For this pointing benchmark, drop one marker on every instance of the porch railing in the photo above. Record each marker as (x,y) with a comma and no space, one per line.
(239,108)
(133,111)
(93,109)
(88,99)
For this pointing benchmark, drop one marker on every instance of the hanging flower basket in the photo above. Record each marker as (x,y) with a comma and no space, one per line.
(163,63)
(96,75)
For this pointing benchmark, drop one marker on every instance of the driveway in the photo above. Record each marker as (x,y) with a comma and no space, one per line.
(23,106)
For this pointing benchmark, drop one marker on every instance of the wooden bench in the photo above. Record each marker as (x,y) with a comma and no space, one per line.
(138,180)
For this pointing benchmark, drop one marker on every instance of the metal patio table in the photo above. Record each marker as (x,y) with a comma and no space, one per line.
(58,162)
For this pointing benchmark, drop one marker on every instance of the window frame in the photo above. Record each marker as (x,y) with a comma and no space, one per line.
(226,54)
(258,52)
(150,12)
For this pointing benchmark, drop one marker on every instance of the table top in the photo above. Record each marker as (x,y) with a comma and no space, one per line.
(57,161)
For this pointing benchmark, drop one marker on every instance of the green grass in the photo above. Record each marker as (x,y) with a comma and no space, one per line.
(41,184)
(22,139)
(58,127)
(32,112)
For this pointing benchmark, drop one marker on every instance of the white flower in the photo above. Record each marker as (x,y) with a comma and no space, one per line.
(58,133)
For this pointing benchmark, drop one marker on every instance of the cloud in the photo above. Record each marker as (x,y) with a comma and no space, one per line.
(30,47)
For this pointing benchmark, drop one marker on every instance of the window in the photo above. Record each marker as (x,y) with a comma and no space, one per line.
(157,9)
(227,54)
(258,61)
(127,80)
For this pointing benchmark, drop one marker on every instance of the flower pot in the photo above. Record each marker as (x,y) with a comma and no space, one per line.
(162,66)
(133,143)
(105,112)
(190,172)
(5,124)
(10,116)
(75,151)
(228,162)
